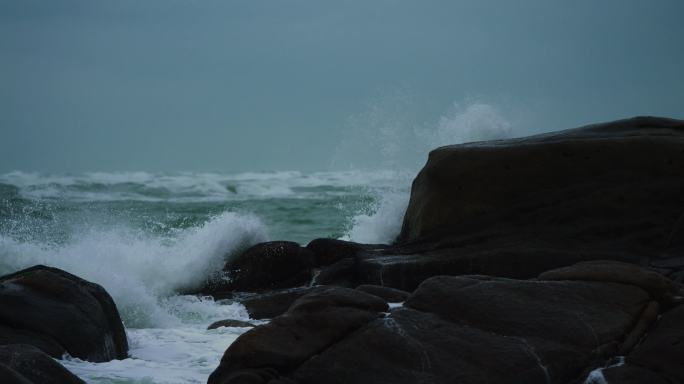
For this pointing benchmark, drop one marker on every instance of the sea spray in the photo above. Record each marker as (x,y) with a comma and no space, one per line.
(380,222)
(139,270)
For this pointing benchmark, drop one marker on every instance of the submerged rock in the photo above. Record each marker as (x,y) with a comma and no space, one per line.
(230,323)
(59,313)
(26,364)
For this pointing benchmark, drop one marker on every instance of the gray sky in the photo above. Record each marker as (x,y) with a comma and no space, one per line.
(271,85)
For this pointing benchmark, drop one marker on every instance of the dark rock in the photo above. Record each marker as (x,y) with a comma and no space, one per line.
(628,374)
(581,314)
(230,323)
(414,347)
(27,364)
(389,294)
(271,304)
(10,376)
(271,265)
(407,271)
(608,187)
(660,287)
(341,273)
(452,329)
(662,350)
(52,309)
(311,325)
(329,251)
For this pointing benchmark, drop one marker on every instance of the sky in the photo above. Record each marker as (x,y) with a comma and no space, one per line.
(234,86)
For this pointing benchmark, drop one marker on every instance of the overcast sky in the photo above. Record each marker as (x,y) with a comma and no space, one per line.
(165,85)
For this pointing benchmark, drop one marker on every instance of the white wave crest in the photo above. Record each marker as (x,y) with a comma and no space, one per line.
(143,272)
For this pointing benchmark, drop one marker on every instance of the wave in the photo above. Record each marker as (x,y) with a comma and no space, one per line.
(141,271)
(407,145)
(188,186)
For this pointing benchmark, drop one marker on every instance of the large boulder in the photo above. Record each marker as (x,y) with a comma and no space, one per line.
(26,364)
(613,188)
(59,313)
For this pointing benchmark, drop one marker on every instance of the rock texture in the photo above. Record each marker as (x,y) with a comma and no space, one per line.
(59,313)
(25,364)
(469,329)
(312,324)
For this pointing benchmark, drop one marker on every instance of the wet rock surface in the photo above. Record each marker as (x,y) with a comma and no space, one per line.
(59,313)
(26,364)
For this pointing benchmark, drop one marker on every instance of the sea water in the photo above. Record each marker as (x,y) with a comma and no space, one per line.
(145,237)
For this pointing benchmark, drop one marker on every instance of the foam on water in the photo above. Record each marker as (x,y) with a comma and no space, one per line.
(171,356)
(186,186)
(139,270)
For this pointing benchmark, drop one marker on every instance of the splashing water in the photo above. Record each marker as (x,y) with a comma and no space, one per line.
(138,270)
(147,236)
(381,222)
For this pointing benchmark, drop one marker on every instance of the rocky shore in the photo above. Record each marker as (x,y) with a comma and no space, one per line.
(549,259)
(555,258)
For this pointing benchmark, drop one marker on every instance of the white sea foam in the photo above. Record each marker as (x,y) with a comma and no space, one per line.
(171,356)
(381,223)
(141,271)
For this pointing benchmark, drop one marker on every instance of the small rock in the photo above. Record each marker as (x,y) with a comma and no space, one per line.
(231,323)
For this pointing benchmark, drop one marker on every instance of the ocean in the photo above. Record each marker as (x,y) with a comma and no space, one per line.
(147,236)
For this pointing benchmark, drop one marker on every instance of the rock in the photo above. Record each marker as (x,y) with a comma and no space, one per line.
(59,312)
(613,187)
(341,273)
(584,315)
(311,325)
(660,287)
(406,271)
(230,323)
(271,304)
(410,347)
(271,265)
(329,251)
(662,350)
(452,329)
(628,374)
(391,295)
(10,376)
(21,363)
